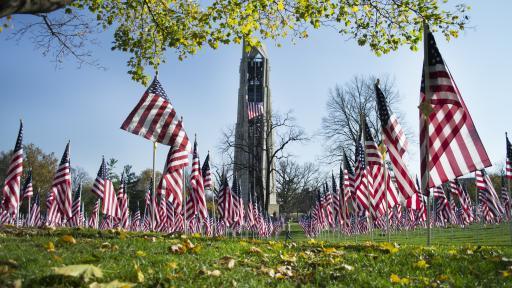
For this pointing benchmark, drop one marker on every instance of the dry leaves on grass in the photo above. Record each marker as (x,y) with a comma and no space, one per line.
(214,273)
(288,258)
(84,271)
(112,284)
(138,273)
(422,264)
(227,261)
(397,280)
(50,247)
(68,239)
(256,250)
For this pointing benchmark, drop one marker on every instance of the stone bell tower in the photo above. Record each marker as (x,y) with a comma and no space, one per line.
(253,141)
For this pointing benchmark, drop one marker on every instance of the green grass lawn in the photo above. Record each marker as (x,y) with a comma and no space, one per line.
(28,256)
(476,234)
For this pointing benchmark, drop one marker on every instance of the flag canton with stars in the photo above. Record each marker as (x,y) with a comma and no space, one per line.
(360,155)
(19,140)
(65,156)
(156,88)
(434,56)
(509,150)
(102,173)
(346,163)
(382,105)
(367,132)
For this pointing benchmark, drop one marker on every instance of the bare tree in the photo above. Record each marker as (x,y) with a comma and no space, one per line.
(61,35)
(283,129)
(292,179)
(79,176)
(341,127)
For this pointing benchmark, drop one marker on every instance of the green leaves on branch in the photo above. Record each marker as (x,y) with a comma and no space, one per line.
(147,28)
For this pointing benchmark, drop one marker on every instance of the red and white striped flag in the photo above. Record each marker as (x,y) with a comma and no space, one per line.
(171,183)
(508,172)
(28,189)
(254,109)
(207,175)
(361,185)
(110,206)
(155,119)
(196,183)
(396,144)
(449,143)
(379,185)
(98,187)
(11,189)
(122,200)
(61,186)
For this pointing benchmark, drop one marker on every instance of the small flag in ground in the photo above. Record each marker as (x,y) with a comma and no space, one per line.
(11,189)
(28,189)
(61,186)
(98,187)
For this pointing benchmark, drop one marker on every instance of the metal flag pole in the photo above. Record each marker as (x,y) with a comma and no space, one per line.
(425,179)
(508,188)
(153,188)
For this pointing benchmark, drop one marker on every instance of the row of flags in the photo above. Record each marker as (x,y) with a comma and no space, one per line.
(169,209)
(380,183)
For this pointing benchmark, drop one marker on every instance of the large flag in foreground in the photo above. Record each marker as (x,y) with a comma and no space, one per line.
(11,189)
(155,119)
(449,143)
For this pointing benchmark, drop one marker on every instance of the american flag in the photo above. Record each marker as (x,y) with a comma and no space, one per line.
(155,119)
(171,183)
(77,205)
(34,218)
(254,109)
(508,171)
(98,187)
(487,194)
(11,189)
(94,217)
(207,176)
(450,146)
(441,205)
(225,207)
(464,200)
(336,204)
(122,200)
(505,199)
(361,178)
(376,173)
(61,186)
(135,225)
(250,212)
(396,144)
(109,205)
(28,189)
(197,185)
(327,205)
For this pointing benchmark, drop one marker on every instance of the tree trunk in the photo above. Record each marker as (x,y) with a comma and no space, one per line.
(9,7)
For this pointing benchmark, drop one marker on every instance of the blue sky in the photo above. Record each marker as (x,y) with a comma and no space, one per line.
(88,105)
